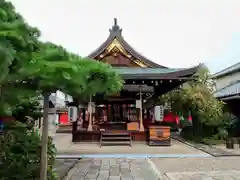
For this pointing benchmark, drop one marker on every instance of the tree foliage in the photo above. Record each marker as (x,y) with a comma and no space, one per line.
(27,110)
(96,77)
(29,68)
(28,64)
(210,123)
(18,41)
(20,153)
(197,96)
(52,68)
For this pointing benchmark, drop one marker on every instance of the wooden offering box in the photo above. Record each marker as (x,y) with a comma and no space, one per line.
(159,136)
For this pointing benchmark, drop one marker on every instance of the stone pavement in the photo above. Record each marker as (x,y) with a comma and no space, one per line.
(62,166)
(207,168)
(199,168)
(212,175)
(227,168)
(112,169)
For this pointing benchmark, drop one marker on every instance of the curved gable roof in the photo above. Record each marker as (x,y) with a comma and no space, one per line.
(116,33)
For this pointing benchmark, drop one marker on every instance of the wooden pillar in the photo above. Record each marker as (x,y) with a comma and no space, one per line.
(141,127)
(93,113)
(90,115)
(81,110)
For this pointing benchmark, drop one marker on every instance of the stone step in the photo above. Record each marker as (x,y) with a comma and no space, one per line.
(115,134)
(116,138)
(115,142)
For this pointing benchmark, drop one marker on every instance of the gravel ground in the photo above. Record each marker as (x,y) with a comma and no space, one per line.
(65,146)
(221,168)
(165,165)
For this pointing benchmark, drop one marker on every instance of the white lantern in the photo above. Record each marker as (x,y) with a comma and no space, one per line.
(138,104)
(72,114)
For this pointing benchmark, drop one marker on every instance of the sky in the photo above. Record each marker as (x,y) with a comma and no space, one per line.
(173,33)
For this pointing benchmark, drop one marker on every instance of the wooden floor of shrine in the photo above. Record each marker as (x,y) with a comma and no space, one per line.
(122,134)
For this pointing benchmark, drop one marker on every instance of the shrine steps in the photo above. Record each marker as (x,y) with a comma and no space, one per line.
(111,138)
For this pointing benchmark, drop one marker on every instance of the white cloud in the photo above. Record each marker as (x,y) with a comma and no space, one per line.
(173,33)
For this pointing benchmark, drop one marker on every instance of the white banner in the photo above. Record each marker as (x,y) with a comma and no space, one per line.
(138,104)
(158,113)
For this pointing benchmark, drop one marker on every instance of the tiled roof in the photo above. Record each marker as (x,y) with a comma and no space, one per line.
(231,69)
(230,90)
(158,73)
(127,70)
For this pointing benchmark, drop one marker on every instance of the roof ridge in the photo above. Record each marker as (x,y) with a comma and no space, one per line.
(116,32)
(224,71)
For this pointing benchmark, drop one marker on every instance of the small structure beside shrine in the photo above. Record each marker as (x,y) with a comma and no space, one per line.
(228,87)
(131,114)
(228,90)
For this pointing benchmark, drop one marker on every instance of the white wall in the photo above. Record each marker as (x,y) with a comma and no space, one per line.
(59,98)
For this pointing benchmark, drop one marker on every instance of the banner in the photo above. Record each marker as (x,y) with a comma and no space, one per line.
(158,113)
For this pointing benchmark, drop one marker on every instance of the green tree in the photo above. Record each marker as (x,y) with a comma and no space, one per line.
(197,96)
(97,77)
(27,110)
(18,41)
(31,67)
(53,68)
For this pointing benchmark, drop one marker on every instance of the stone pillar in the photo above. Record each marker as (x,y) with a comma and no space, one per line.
(52,126)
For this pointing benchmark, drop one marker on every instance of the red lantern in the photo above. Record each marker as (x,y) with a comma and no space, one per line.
(177,119)
(189,117)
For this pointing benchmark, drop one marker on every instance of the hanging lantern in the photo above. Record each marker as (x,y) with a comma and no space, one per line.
(177,119)
(189,116)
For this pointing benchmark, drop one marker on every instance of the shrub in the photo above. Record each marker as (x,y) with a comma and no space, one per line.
(211,133)
(173,125)
(20,154)
(187,133)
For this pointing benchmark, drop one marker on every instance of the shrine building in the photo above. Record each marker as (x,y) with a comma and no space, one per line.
(129,115)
